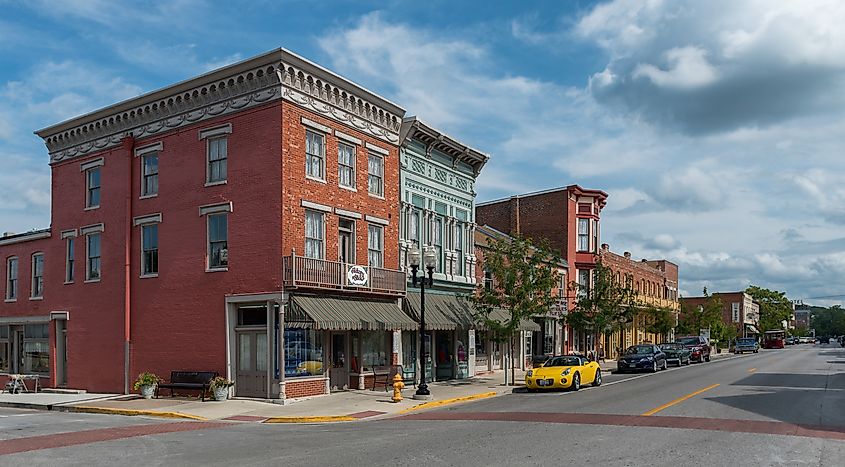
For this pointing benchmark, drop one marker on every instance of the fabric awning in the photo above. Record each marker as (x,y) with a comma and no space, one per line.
(751,328)
(502,315)
(447,312)
(346,314)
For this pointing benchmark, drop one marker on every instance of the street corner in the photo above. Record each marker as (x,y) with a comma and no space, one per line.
(443,402)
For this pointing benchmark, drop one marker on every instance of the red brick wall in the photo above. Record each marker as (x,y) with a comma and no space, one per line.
(298,188)
(306,388)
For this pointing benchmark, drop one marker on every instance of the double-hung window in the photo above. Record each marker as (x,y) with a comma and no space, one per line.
(437,238)
(149,174)
(583,234)
(92,270)
(375,180)
(346,165)
(37,275)
(583,283)
(12,278)
(459,248)
(36,348)
(218,157)
(69,244)
(218,241)
(314,234)
(375,245)
(315,155)
(92,187)
(149,250)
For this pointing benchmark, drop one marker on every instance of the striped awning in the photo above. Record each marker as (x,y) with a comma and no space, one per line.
(346,314)
(752,329)
(501,315)
(447,312)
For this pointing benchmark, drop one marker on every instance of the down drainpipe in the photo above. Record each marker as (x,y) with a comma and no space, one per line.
(129,146)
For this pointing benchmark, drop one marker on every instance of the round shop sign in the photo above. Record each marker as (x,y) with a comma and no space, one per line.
(357,275)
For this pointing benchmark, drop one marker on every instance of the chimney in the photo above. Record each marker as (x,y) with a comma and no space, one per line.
(644,260)
(627,255)
(514,213)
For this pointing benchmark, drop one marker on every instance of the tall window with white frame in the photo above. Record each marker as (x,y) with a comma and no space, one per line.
(315,234)
(583,283)
(218,241)
(375,245)
(459,248)
(149,174)
(346,165)
(37,276)
(12,278)
(218,160)
(594,227)
(315,155)
(92,269)
(437,241)
(375,179)
(69,244)
(92,188)
(583,234)
(149,250)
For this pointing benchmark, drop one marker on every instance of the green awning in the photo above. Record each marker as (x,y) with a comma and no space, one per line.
(501,315)
(443,312)
(346,314)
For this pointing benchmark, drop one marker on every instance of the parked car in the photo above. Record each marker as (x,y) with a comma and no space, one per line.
(698,346)
(791,340)
(563,372)
(642,357)
(746,344)
(824,340)
(676,352)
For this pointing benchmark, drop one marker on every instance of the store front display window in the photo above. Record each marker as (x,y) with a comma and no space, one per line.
(303,352)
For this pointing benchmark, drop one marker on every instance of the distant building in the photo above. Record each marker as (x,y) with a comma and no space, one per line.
(738,309)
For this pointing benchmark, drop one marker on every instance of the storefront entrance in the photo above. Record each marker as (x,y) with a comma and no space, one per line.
(251,376)
(444,358)
(339,373)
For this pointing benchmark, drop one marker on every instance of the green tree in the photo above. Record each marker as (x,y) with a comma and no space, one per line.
(694,318)
(658,320)
(524,275)
(605,305)
(775,308)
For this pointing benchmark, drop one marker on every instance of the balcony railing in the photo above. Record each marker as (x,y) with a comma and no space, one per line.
(310,273)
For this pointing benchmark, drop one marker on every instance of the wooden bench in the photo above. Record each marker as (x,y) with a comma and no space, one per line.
(384,375)
(198,380)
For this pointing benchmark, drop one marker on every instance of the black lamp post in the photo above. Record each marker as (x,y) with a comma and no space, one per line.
(429,260)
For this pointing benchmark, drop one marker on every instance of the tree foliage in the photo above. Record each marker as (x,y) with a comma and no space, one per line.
(828,321)
(605,305)
(658,320)
(524,275)
(775,308)
(694,318)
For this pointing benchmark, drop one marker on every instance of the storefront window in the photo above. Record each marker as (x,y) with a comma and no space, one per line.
(375,350)
(409,350)
(303,352)
(36,350)
(4,349)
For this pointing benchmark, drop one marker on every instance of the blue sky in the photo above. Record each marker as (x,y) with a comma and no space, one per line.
(716,127)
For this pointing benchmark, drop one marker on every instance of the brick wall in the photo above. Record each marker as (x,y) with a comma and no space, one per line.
(311,387)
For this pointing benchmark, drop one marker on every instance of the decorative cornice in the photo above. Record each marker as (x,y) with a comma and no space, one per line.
(278,74)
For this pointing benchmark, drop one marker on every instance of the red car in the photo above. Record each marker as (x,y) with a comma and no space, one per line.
(699,347)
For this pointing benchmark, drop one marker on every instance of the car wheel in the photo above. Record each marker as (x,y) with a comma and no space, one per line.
(576,382)
(597,381)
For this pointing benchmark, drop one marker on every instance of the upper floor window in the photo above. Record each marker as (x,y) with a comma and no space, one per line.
(375,245)
(69,244)
(459,248)
(314,234)
(37,275)
(12,278)
(375,180)
(149,174)
(92,186)
(149,250)
(92,270)
(346,165)
(315,155)
(583,282)
(218,157)
(488,279)
(438,242)
(218,241)
(583,234)
(595,229)
(414,225)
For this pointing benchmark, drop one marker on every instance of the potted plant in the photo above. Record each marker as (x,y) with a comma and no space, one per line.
(220,387)
(147,383)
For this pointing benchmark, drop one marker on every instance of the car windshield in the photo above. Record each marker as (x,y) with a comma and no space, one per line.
(563,361)
(671,346)
(640,350)
(690,341)
(745,341)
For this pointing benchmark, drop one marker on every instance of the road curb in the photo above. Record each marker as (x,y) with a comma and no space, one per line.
(132,413)
(323,419)
(454,400)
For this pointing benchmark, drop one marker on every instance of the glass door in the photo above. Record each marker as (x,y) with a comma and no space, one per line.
(339,374)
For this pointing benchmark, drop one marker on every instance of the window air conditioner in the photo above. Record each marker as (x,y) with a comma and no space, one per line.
(224,256)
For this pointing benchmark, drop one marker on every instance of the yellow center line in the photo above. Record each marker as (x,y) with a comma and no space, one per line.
(752,370)
(678,401)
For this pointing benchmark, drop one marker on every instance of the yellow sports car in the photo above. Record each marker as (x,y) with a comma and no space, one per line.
(565,372)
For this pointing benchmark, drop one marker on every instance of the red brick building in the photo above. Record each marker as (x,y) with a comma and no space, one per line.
(569,219)
(738,309)
(244,221)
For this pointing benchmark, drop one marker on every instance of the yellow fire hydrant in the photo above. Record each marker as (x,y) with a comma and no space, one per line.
(398,385)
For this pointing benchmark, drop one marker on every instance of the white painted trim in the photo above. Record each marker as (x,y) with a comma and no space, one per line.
(316,206)
(378,149)
(155,147)
(316,126)
(218,130)
(98,162)
(377,220)
(24,238)
(215,208)
(148,219)
(60,315)
(349,138)
(345,213)
(90,229)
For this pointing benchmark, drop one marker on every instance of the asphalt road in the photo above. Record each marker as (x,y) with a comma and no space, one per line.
(779,407)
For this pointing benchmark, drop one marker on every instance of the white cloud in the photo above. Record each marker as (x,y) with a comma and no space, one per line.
(688,69)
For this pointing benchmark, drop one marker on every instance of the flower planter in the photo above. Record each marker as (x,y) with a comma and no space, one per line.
(147,391)
(221,394)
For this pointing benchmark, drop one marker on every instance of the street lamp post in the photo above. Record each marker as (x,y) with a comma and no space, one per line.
(429,260)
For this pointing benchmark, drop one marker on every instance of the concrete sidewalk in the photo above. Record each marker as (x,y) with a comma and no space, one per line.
(49,401)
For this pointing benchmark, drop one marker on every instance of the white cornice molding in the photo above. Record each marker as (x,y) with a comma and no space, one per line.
(27,237)
(278,74)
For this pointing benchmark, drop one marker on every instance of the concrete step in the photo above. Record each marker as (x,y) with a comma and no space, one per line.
(63,391)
